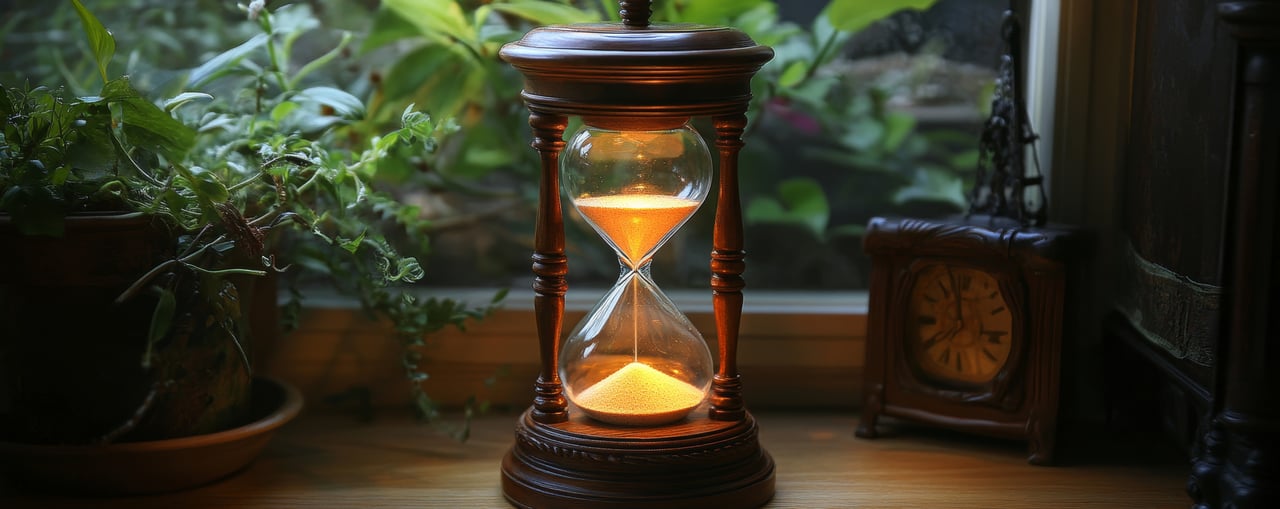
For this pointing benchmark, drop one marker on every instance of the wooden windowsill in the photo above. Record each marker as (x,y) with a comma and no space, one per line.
(797,350)
(330,460)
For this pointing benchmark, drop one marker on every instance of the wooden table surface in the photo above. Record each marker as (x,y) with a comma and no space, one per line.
(327,460)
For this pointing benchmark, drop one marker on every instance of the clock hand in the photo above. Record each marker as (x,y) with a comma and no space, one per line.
(955,291)
(941,336)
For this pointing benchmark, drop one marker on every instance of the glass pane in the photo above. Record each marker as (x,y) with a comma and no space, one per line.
(879,119)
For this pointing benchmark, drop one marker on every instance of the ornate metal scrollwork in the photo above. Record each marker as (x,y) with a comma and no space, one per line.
(1002,182)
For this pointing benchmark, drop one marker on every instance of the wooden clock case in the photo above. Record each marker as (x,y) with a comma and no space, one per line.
(1021,400)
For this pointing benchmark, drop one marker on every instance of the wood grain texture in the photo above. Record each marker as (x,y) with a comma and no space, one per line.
(1237,461)
(697,463)
(727,265)
(550,266)
(787,357)
(323,461)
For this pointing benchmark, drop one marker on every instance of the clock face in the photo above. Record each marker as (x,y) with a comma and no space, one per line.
(959,326)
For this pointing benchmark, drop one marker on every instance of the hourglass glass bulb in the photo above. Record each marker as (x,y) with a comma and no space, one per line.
(636,187)
(635,359)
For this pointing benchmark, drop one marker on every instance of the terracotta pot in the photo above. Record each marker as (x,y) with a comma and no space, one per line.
(153,466)
(71,358)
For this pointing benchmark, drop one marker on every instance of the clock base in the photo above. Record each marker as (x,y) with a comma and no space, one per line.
(699,463)
(1038,434)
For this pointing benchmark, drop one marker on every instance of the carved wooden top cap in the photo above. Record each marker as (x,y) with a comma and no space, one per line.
(620,44)
(629,68)
(660,37)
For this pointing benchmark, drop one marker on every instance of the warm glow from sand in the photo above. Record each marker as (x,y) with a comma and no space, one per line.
(638,395)
(635,222)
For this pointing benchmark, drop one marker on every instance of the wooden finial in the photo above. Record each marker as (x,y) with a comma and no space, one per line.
(635,13)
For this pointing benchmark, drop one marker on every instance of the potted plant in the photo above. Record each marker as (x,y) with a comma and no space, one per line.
(135,231)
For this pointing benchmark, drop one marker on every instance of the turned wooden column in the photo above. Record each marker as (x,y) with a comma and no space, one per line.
(1237,463)
(549,268)
(727,266)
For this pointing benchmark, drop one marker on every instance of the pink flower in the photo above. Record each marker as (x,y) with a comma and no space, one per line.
(803,122)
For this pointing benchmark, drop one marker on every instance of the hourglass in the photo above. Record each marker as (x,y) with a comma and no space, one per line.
(631,408)
(635,359)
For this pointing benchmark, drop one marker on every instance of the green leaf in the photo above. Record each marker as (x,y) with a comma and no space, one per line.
(388,27)
(208,187)
(934,185)
(827,39)
(417,126)
(321,61)
(761,24)
(343,103)
(802,202)
(896,128)
(794,74)
(423,68)
(807,200)
(217,65)
(178,100)
(100,40)
(863,134)
(59,175)
(488,158)
(381,144)
(161,320)
(353,244)
(543,12)
(175,201)
(146,125)
(440,78)
(439,20)
(283,110)
(813,92)
(93,149)
(965,161)
(712,12)
(765,210)
(854,15)
(498,297)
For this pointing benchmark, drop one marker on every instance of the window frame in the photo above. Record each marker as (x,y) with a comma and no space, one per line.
(797,349)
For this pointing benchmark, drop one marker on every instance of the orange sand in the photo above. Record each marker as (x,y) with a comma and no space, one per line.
(638,395)
(635,223)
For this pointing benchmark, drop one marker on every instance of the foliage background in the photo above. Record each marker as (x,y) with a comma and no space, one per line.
(851,118)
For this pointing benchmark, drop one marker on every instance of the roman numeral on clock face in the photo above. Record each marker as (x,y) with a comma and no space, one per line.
(960,328)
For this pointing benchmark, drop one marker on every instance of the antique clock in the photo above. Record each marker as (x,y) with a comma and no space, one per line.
(965,326)
(966,314)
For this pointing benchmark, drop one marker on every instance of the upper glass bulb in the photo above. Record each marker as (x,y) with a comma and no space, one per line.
(636,187)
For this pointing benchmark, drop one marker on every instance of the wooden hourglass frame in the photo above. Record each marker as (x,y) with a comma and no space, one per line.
(635,76)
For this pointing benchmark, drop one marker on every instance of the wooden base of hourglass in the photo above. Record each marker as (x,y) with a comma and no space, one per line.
(698,462)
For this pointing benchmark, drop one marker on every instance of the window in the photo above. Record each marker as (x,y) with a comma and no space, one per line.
(883,119)
(879,120)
